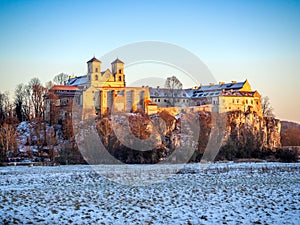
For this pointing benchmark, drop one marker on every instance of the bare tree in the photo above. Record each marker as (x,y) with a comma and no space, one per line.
(49,85)
(21,102)
(5,106)
(8,135)
(27,103)
(266,106)
(37,92)
(174,87)
(61,78)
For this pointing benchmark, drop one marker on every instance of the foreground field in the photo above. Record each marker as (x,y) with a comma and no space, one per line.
(228,193)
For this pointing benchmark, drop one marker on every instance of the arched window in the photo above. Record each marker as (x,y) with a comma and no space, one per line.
(96,70)
(120,78)
(96,77)
(120,71)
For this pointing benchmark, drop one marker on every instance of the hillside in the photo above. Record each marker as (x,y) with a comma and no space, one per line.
(290,133)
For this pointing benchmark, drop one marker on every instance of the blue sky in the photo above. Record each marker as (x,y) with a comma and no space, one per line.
(258,40)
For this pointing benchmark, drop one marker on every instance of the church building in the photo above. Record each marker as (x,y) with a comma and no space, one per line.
(98,92)
(101,92)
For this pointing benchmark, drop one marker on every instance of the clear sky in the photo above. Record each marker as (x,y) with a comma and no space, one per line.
(257,40)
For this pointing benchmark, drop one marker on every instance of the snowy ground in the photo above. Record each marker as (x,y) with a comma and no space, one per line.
(228,193)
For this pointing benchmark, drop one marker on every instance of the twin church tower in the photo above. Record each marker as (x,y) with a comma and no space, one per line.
(107,78)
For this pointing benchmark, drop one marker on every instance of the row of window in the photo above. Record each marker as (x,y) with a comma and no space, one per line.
(175,100)
(237,101)
(107,76)
(96,70)
(156,94)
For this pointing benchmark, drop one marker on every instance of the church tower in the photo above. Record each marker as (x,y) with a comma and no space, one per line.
(94,72)
(118,72)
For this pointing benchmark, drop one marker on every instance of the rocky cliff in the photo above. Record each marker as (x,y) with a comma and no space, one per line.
(138,138)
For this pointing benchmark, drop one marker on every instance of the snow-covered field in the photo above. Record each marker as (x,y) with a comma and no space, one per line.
(225,193)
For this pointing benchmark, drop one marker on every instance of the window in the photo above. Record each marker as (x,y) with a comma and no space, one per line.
(120,71)
(158,100)
(232,100)
(96,70)
(251,102)
(96,77)
(246,101)
(237,101)
(120,78)
(165,100)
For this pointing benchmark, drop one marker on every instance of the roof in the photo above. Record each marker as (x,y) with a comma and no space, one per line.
(229,93)
(75,81)
(93,60)
(222,86)
(117,61)
(64,88)
(165,92)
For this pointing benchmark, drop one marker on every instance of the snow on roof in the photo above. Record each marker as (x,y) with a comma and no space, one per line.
(77,81)
(207,94)
(222,86)
(165,92)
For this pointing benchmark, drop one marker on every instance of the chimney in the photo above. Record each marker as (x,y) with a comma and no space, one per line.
(221,83)
(211,84)
(233,82)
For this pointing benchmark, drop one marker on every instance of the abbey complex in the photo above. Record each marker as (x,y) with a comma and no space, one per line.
(101,92)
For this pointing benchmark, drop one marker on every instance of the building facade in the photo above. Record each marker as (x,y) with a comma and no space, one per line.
(225,97)
(98,93)
(101,92)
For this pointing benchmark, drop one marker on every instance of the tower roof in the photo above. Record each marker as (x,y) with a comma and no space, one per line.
(94,60)
(117,61)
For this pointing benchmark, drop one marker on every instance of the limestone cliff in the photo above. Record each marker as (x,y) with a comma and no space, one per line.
(249,128)
(138,138)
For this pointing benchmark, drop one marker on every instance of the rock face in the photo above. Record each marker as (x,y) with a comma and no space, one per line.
(138,138)
(249,128)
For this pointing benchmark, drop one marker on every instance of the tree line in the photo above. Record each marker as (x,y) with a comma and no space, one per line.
(26,105)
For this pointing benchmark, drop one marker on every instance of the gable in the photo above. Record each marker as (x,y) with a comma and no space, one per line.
(246,86)
(107,76)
